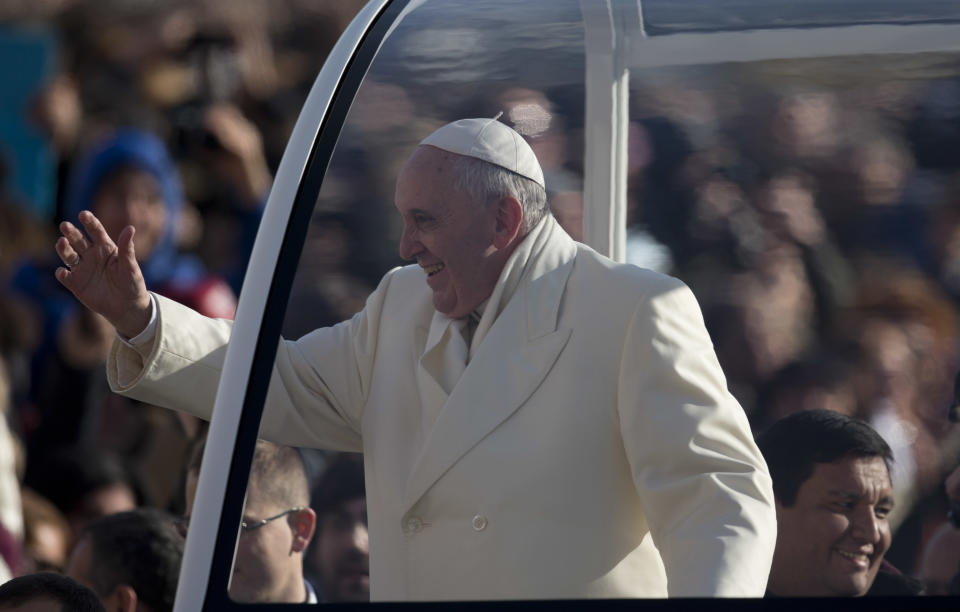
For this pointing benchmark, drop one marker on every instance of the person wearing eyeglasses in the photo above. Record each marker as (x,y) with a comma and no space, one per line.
(276,527)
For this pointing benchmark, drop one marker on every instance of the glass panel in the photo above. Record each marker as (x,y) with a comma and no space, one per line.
(444,61)
(812,206)
(809,204)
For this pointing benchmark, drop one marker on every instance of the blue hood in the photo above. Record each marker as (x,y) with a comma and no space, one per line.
(142,150)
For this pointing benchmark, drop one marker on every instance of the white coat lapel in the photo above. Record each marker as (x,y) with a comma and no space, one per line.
(430,371)
(510,363)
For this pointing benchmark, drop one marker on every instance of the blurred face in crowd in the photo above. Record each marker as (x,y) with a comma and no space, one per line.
(940,564)
(806,124)
(129,196)
(891,365)
(109,499)
(341,553)
(448,234)
(831,541)
(47,549)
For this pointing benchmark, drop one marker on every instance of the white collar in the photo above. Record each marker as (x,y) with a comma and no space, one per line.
(311,592)
(510,277)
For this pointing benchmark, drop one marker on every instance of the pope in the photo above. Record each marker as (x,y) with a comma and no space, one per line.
(537,421)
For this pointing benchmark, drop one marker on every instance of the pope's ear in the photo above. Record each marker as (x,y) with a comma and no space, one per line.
(509,220)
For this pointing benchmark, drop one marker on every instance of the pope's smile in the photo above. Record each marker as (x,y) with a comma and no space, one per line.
(433,269)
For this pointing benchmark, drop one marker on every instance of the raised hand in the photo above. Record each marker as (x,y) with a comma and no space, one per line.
(241,158)
(104,275)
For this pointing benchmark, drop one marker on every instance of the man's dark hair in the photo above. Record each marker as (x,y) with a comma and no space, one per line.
(341,481)
(70,594)
(140,548)
(792,446)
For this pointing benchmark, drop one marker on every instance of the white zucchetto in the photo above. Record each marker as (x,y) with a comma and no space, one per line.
(491,141)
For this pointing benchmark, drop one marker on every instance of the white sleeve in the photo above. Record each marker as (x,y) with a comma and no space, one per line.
(144,338)
(701,479)
(316,394)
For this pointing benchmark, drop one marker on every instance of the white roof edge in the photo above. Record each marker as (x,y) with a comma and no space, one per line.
(789,43)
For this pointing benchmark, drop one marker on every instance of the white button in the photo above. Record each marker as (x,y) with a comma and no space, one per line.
(413,524)
(479,523)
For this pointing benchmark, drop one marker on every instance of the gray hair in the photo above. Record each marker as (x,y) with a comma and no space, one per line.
(484,182)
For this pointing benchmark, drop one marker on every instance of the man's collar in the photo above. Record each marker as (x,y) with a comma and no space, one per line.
(311,592)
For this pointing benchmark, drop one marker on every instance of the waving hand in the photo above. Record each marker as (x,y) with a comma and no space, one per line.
(104,275)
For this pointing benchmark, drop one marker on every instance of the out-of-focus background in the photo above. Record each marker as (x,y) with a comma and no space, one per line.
(812,205)
(202,95)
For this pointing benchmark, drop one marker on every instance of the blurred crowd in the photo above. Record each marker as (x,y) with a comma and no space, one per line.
(819,226)
(171,117)
(814,209)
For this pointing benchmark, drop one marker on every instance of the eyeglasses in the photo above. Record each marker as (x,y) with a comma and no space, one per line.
(251,525)
(247,525)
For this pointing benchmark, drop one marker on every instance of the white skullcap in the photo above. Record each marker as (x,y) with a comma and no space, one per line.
(491,141)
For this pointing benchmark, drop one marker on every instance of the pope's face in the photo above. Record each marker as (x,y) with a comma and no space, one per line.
(831,541)
(450,236)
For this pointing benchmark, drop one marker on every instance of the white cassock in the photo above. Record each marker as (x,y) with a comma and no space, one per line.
(589,449)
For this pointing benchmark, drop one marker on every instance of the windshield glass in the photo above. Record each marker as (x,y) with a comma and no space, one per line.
(809,202)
